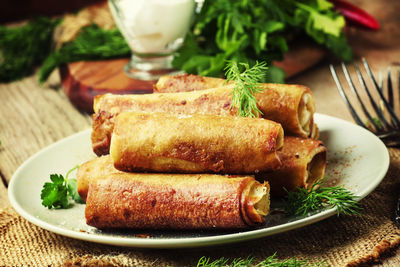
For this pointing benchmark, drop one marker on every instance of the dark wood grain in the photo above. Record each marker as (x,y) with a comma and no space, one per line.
(84,80)
(23,9)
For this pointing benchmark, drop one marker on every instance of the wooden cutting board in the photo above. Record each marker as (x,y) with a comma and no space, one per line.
(83,80)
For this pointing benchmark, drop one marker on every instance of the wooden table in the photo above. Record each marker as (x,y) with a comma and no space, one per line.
(33,117)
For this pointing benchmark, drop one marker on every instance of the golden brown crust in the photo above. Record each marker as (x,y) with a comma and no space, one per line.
(277,102)
(303,161)
(255,202)
(281,103)
(108,106)
(167,201)
(186,83)
(291,105)
(210,101)
(92,170)
(102,127)
(315,131)
(161,142)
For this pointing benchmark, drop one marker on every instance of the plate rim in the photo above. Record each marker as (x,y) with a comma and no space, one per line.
(186,242)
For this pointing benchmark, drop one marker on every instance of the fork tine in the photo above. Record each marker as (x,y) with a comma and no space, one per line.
(390,89)
(354,90)
(371,99)
(346,100)
(381,88)
(390,110)
(380,80)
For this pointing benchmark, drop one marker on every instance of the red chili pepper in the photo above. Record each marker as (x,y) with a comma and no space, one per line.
(355,15)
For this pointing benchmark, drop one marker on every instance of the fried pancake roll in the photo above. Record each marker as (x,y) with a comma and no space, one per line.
(107,107)
(274,102)
(176,201)
(161,142)
(314,132)
(303,162)
(186,83)
(92,170)
(290,105)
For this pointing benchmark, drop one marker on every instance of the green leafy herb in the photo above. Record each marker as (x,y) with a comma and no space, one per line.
(302,201)
(271,261)
(71,186)
(57,193)
(90,44)
(23,48)
(246,81)
(250,30)
(242,31)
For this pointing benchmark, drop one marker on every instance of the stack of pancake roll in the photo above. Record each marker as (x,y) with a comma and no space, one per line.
(181,158)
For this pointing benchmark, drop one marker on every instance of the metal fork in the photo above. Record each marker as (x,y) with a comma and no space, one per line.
(382,120)
(386,127)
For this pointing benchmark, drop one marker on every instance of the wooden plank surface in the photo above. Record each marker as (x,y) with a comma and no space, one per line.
(3,197)
(32,118)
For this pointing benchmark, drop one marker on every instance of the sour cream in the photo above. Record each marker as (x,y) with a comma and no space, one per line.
(153,26)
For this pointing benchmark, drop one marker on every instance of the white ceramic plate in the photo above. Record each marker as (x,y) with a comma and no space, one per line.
(357,159)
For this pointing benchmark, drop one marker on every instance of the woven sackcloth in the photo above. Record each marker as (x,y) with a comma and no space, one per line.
(340,241)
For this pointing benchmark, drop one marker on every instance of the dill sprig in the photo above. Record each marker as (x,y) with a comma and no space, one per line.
(302,201)
(246,81)
(92,43)
(24,47)
(271,261)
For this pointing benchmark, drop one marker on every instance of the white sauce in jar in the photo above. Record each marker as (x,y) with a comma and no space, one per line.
(153,26)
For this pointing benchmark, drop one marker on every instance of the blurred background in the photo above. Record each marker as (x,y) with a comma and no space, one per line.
(23,9)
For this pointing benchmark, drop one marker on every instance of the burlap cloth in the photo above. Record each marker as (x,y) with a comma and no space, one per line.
(344,240)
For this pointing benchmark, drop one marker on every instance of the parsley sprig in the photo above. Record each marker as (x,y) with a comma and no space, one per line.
(247,31)
(57,193)
(270,261)
(246,81)
(302,201)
